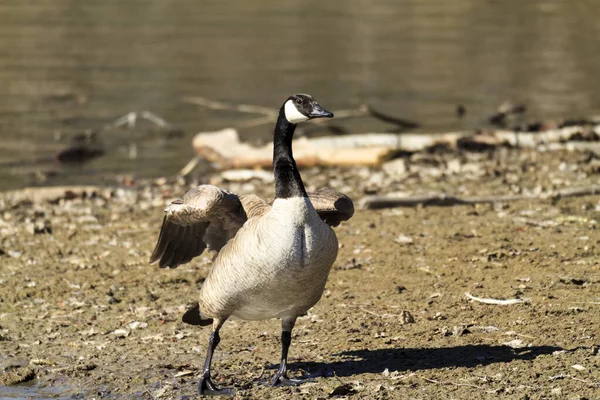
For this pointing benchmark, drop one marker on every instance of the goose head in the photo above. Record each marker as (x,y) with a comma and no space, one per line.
(302,107)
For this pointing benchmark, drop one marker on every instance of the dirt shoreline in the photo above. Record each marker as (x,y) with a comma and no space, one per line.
(82,309)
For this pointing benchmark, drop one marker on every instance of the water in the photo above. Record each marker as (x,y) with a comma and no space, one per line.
(66,66)
(33,391)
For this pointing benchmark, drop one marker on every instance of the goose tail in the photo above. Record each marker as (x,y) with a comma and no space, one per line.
(193,317)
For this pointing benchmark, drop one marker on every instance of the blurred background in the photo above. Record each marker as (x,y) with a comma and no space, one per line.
(67,67)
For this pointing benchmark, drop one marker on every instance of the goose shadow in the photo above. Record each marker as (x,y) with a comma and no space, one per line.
(408,359)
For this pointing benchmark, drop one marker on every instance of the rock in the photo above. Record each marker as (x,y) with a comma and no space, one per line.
(42,227)
(353,263)
(406,318)
(342,390)
(137,325)
(162,392)
(403,239)
(460,330)
(515,344)
(14,254)
(121,333)
(567,280)
(76,370)
(395,168)
(16,375)
(400,289)
(245,175)
(489,329)
(185,372)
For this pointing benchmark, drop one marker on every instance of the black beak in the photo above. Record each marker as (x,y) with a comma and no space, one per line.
(319,112)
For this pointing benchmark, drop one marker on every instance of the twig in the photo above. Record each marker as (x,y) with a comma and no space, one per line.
(443,199)
(131,118)
(256,122)
(494,301)
(262,371)
(401,123)
(525,336)
(53,193)
(189,167)
(155,119)
(148,391)
(270,114)
(559,376)
(220,105)
(454,384)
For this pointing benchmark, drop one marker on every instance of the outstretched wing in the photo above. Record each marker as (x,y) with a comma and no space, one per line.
(333,207)
(206,216)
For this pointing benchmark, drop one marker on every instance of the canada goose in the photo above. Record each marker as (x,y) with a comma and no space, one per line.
(273,259)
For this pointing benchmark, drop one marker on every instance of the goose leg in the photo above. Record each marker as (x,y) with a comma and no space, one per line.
(281,377)
(205,385)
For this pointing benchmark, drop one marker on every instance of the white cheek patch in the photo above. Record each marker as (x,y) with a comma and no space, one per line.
(292,114)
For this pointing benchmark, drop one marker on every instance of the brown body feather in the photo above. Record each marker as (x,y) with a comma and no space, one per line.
(208,217)
(266,250)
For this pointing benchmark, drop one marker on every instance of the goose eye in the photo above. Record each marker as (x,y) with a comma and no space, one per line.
(298,101)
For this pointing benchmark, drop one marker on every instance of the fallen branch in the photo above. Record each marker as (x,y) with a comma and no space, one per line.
(535,139)
(401,123)
(246,175)
(270,114)
(225,149)
(453,383)
(220,105)
(189,167)
(494,301)
(593,147)
(85,146)
(443,199)
(505,111)
(131,118)
(53,193)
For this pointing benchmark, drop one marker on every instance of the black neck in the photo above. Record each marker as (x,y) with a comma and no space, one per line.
(287,178)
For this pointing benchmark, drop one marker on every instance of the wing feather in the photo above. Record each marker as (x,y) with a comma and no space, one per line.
(208,217)
(183,234)
(333,207)
(254,205)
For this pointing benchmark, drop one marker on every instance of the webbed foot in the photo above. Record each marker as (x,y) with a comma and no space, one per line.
(283,380)
(206,387)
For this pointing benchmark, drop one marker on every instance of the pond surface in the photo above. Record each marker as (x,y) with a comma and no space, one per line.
(33,391)
(67,66)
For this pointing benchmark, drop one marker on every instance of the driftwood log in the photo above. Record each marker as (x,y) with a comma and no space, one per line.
(53,194)
(443,199)
(225,150)
(269,115)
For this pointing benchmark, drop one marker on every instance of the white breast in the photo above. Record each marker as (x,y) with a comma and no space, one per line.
(276,266)
(297,210)
(288,229)
(296,252)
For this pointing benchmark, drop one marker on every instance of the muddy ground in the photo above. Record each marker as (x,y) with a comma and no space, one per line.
(85,316)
